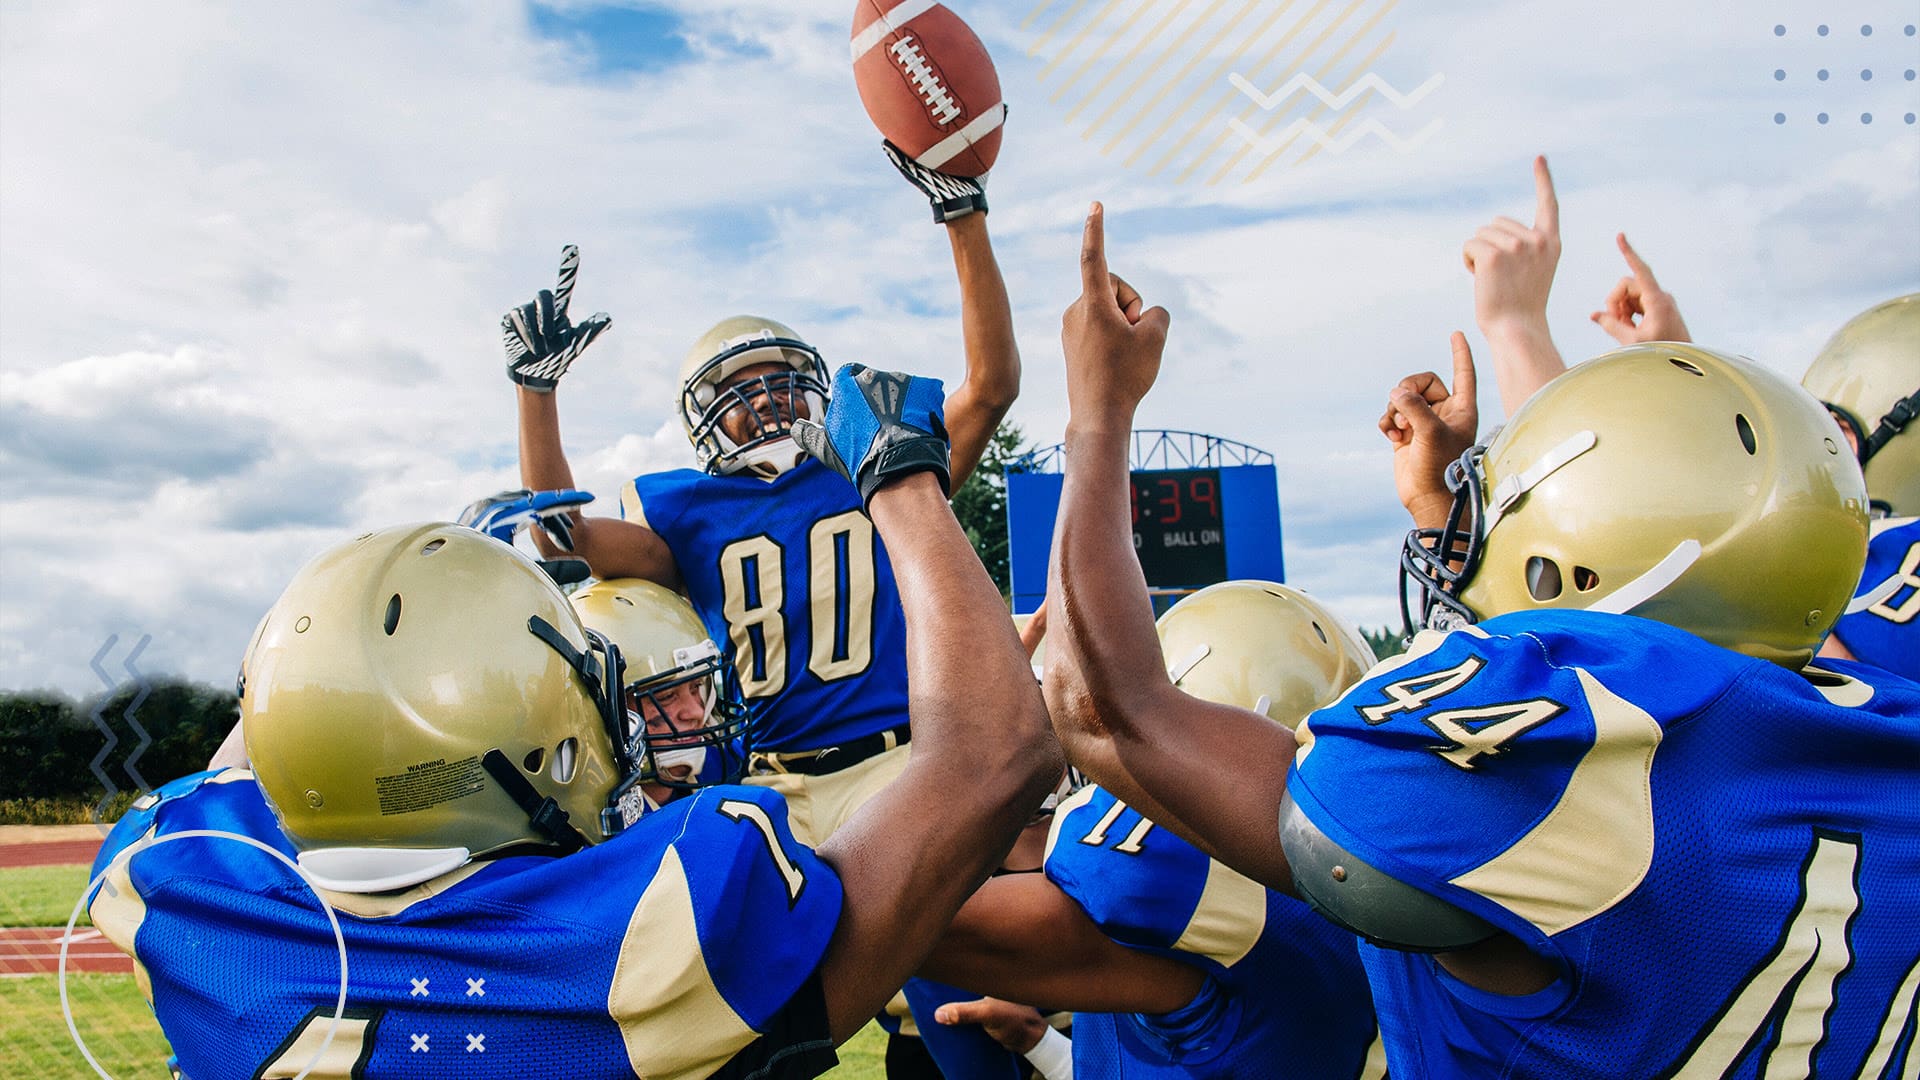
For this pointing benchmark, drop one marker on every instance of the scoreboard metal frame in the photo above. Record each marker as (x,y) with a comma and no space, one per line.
(1205,510)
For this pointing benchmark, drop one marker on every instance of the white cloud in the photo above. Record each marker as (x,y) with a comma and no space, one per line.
(255,257)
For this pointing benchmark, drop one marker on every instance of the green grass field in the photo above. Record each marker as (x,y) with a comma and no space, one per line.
(107,1010)
(41,895)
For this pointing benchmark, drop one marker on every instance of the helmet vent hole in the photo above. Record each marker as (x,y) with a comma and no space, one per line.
(1585,580)
(1685,366)
(1322,633)
(1745,429)
(1543,578)
(393,614)
(623,600)
(433,546)
(534,759)
(564,759)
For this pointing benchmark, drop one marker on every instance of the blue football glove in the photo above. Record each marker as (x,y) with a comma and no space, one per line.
(541,341)
(507,514)
(879,425)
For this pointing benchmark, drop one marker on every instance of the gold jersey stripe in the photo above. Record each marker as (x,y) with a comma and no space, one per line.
(1596,845)
(117,912)
(673,1019)
(1228,920)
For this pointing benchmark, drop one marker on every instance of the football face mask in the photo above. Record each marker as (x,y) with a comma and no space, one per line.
(687,726)
(759,410)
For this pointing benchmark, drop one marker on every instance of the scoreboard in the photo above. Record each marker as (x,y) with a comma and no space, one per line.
(1178,531)
(1192,526)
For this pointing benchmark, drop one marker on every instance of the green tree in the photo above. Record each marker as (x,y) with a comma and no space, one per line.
(48,742)
(981,502)
(1385,641)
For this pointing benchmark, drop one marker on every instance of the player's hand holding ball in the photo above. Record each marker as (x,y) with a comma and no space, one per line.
(952,197)
(879,425)
(540,340)
(1112,345)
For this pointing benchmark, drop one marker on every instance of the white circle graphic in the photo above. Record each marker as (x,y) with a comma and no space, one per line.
(143,844)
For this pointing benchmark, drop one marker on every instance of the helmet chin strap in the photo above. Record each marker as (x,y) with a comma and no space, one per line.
(1650,584)
(546,816)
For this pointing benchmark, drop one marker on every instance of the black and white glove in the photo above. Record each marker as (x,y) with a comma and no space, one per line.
(540,340)
(952,196)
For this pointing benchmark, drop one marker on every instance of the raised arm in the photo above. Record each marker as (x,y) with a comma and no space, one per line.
(1512,267)
(1117,713)
(541,344)
(975,407)
(983,755)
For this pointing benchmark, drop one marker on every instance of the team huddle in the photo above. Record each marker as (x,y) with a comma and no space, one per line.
(1637,800)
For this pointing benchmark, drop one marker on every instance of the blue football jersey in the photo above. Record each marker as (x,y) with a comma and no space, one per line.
(962,1050)
(666,951)
(1720,856)
(1885,632)
(790,577)
(1288,995)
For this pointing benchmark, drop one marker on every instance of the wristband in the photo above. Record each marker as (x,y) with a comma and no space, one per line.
(1052,1056)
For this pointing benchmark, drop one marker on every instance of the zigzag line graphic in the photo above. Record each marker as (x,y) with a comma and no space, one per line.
(100,721)
(1304,81)
(133,706)
(1278,142)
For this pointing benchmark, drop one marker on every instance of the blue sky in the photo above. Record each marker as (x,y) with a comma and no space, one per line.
(254,256)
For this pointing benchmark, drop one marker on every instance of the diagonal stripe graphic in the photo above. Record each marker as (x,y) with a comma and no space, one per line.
(1186,69)
(1149,73)
(1047,34)
(1112,40)
(1326,68)
(1268,58)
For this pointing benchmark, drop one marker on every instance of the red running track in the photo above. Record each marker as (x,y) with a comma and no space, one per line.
(36,950)
(49,853)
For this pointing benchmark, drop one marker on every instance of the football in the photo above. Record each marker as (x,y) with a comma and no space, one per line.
(928,83)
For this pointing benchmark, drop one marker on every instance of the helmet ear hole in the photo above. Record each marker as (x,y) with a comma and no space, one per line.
(392,622)
(535,757)
(1585,580)
(1322,634)
(1747,437)
(1543,578)
(565,756)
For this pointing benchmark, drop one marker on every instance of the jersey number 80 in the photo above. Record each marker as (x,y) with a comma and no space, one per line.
(840,586)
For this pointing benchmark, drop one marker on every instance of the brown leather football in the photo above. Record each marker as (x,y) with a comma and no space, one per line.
(928,84)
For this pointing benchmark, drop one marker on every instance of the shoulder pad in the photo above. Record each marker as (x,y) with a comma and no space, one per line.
(1354,895)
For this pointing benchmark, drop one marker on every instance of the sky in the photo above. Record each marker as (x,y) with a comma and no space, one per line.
(253,257)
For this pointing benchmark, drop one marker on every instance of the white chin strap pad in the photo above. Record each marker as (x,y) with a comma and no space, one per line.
(373,870)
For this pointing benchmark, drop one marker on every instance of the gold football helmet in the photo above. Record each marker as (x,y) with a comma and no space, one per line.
(1663,480)
(666,647)
(423,695)
(766,403)
(1869,377)
(1262,646)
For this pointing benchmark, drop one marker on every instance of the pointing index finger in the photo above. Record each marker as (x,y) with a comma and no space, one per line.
(569,269)
(1463,376)
(1639,266)
(1546,205)
(1093,254)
